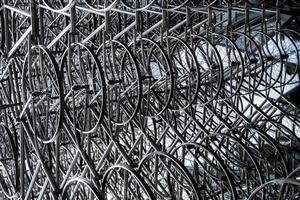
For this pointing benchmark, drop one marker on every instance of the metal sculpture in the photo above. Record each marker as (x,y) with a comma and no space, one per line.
(150,99)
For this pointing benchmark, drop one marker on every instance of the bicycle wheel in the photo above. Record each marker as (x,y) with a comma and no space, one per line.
(211,69)
(186,74)
(157,77)
(293,66)
(85,88)
(42,93)
(124,81)
(273,59)
(233,63)
(254,62)
(290,56)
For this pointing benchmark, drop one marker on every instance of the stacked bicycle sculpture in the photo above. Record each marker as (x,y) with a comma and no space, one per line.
(149,99)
